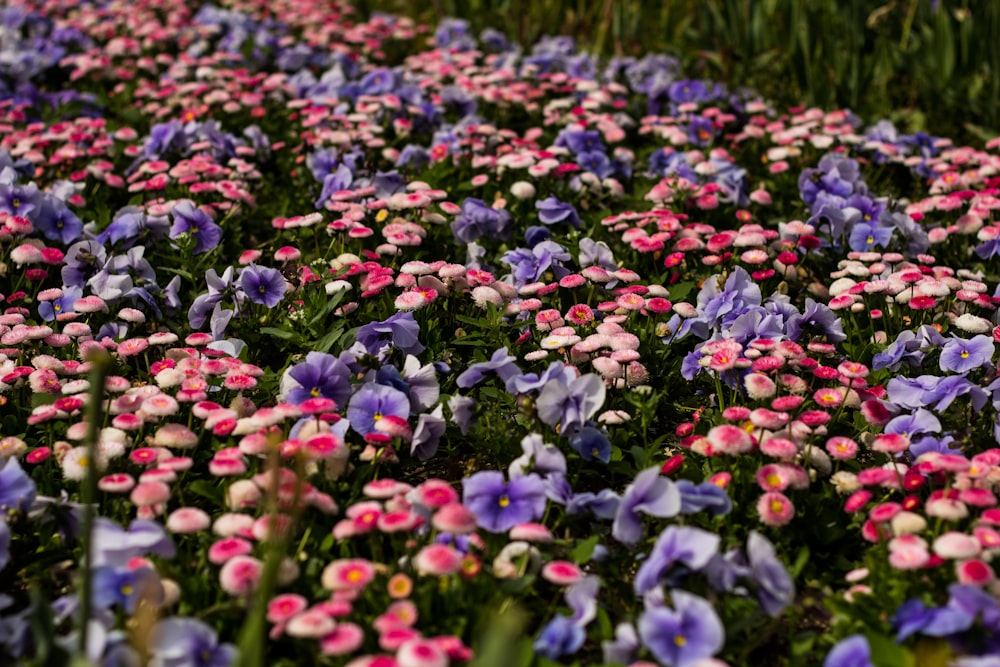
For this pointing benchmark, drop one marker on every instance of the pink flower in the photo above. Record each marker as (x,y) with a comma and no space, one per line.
(227,548)
(891,443)
(347,574)
(188,520)
(150,493)
(772,478)
(884,512)
(115,483)
(454,518)
(779,448)
(345,638)
(310,624)
(775,509)
(841,448)
(240,575)
(975,572)
(285,606)
(909,558)
(728,439)
(561,572)
(421,653)
(437,559)
(957,546)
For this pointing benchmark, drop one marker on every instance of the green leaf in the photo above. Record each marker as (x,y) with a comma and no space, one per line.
(283,334)
(887,653)
(680,290)
(582,552)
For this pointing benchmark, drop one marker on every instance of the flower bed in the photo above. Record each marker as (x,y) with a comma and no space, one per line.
(354,342)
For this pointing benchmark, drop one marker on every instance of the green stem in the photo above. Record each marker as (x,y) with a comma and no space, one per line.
(99,371)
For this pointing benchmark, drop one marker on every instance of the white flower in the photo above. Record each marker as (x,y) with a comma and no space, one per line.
(973,324)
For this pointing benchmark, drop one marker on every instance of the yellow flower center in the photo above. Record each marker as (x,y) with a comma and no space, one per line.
(127,590)
(504,501)
(965,354)
(776,506)
(870,240)
(680,640)
(773,479)
(378,416)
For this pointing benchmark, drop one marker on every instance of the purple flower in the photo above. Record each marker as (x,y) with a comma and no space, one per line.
(915,424)
(775,588)
(528,266)
(818,318)
(865,237)
(700,131)
(591,444)
(913,616)
(551,211)
(538,456)
(320,375)
(850,652)
(463,412)
(194,221)
(115,546)
(400,330)
(373,402)
(501,363)
(499,505)
(263,285)
(4,544)
(622,648)
(561,636)
(682,636)
(427,434)
(692,547)
(570,405)
(186,642)
(695,498)
(125,587)
(649,493)
(961,355)
(478,219)
(17,490)
(56,221)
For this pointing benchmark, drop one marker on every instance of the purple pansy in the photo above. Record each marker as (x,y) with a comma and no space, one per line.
(17,490)
(775,588)
(372,402)
(687,545)
(399,330)
(649,493)
(682,636)
(961,355)
(186,642)
(551,211)
(194,221)
(853,651)
(501,363)
(500,505)
(570,404)
(263,285)
(320,375)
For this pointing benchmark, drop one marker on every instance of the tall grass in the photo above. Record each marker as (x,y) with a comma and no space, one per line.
(925,63)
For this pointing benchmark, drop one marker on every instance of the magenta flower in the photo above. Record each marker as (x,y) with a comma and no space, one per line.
(500,505)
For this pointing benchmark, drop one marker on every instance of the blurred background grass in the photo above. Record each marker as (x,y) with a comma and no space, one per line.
(925,64)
